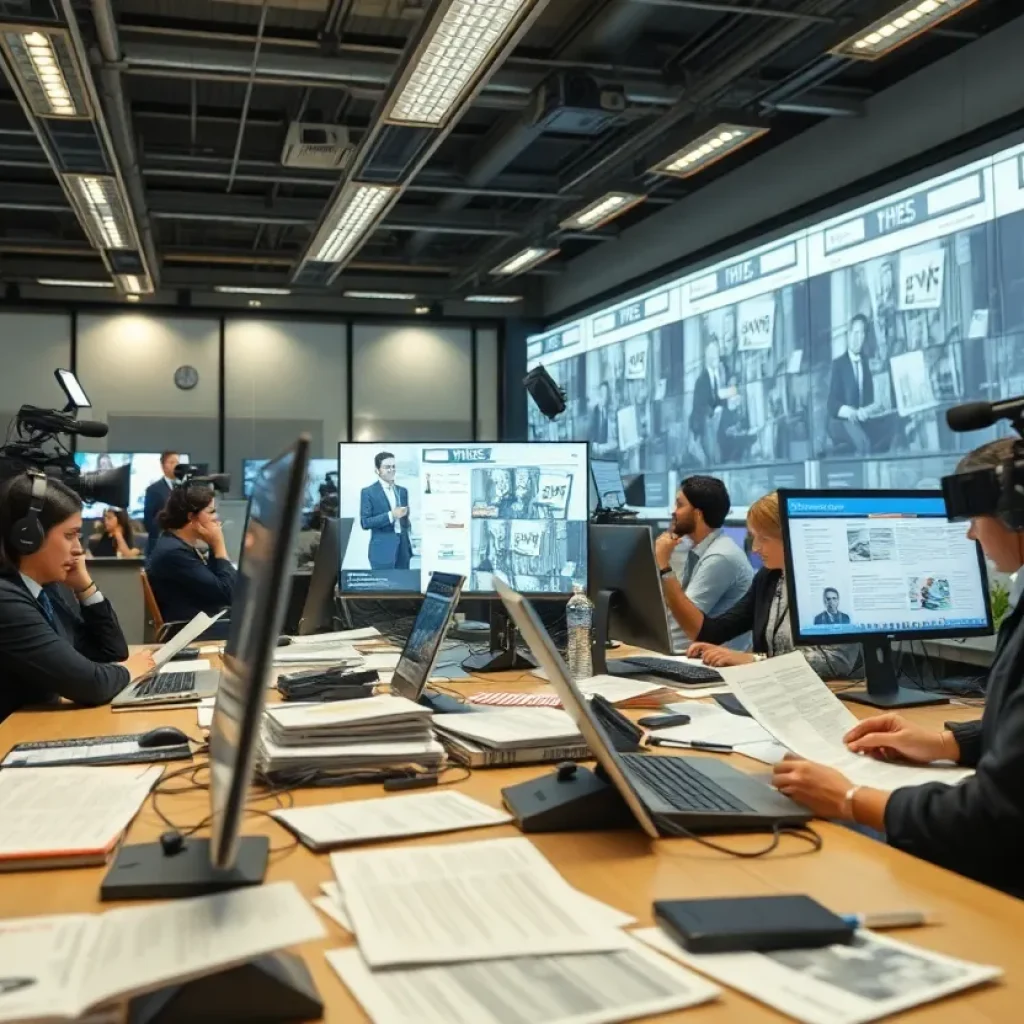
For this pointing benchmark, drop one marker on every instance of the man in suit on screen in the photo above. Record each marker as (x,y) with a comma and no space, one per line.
(851,391)
(384,511)
(708,406)
(831,616)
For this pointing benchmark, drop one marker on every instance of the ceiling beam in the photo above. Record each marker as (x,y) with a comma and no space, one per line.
(729,7)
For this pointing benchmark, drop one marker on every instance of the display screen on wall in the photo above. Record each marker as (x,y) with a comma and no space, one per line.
(828,357)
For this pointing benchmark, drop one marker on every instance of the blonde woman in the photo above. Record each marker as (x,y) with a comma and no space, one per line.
(763,610)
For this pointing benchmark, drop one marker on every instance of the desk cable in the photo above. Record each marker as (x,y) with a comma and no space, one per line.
(804,832)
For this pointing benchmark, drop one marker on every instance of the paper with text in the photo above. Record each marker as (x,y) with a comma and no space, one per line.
(790,700)
(872,978)
(185,636)
(470,901)
(196,665)
(617,689)
(710,723)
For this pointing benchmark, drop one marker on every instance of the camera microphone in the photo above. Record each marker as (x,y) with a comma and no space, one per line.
(60,423)
(978,415)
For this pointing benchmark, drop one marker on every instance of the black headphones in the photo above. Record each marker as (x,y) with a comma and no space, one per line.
(27,534)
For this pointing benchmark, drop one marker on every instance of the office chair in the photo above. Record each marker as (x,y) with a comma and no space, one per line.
(154,618)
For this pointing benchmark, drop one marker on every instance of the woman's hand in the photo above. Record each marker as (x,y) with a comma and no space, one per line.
(78,578)
(138,664)
(891,737)
(822,790)
(718,657)
(663,548)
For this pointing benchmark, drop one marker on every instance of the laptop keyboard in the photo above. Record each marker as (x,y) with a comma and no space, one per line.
(681,785)
(167,682)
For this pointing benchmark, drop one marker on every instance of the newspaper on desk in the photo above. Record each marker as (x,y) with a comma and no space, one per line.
(788,698)
(871,978)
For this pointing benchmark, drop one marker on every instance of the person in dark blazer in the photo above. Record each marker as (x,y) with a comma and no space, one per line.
(59,636)
(763,610)
(851,391)
(977,827)
(157,494)
(831,616)
(117,539)
(186,580)
(384,511)
(603,428)
(708,406)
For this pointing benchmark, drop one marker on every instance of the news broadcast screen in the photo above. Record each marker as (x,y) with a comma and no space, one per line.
(315,478)
(515,512)
(145,470)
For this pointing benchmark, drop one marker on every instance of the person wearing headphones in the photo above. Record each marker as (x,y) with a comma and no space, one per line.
(975,828)
(59,636)
(764,609)
(186,580)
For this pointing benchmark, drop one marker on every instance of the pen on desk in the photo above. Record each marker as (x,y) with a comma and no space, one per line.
(713,748)
(888,919)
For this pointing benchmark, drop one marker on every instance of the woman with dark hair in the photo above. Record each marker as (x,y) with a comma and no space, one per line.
(186,581)
(118,537)
(59,636)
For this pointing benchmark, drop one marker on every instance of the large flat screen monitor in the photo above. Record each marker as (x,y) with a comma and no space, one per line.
(874,566)
(317,475)
(516,512)
(145,469)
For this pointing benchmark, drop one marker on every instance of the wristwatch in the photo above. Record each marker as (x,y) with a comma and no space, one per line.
(667,571)
(760,657)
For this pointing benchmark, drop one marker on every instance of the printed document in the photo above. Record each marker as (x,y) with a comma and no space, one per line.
(617,689)
(510,728)
(593,988)
(871,978)
(394,817)
(199,625)
(482,900)
(789,699)
(710,723)
(342,636)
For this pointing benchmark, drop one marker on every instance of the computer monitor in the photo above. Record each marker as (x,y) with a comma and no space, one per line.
(421,649)
(232,513)
(318,470)
(515,512)
(318,608)
(626,590)
(870,567)
(741,536)
(608,483)
(144,469)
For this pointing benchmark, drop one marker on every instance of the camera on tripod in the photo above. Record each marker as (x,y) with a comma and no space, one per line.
(39,446)
(996,491)
(199,475)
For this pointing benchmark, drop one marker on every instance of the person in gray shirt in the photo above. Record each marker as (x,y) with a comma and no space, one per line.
(713,571)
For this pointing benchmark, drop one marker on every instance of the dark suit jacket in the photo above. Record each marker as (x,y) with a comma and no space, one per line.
(156,497)
(374,515)
(842,387)
(705,399)
(183,584)
(823,619)
(38,663)
(598,432)
(748,614)
(977,828)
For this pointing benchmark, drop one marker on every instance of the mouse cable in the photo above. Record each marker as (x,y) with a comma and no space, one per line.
(804,832)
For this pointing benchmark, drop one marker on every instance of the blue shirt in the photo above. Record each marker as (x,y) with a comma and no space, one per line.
(721,576)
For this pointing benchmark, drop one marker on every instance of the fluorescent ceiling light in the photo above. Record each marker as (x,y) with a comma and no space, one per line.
(524,260)
(601,211)
(898,27)
(132,297)
(61,282)
(707,149)
(422,310)
(233,289)
(41,61)
(356,211)
(496,299)
(134,283)
(407,296)
(99,207)
(450,59)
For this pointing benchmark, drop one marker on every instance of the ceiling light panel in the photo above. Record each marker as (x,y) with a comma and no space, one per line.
(134,284)
(394,296)
(42,62)
(99,207)
(708,148)
(601,211)
(63,282)
(451,58)
(232,289)
(355,213)
(522,261)
(497,300)
(899,26)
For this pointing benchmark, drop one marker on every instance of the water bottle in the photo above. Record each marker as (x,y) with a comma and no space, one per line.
(579,616)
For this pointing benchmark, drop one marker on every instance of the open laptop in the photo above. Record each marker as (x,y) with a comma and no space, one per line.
(697,794)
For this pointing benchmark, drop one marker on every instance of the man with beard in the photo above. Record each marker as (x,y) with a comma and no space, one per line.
(712,570)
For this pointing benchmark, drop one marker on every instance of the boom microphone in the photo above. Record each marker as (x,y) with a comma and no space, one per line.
(978,415)
(60,423)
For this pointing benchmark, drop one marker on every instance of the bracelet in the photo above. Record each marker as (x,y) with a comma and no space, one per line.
(79,593)
(848,802)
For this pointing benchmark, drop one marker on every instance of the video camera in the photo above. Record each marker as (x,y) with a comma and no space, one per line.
(988,492)
(199,475)
(330,499)
(38,446)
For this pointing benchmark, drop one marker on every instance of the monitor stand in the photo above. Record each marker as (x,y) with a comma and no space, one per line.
(503,656)
(600,644)
(146,871)
(883,688)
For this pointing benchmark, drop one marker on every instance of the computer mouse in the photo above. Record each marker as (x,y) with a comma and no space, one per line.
(163,736)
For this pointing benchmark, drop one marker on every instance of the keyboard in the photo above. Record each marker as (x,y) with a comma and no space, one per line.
(681,785)
(166,682)
(676,671)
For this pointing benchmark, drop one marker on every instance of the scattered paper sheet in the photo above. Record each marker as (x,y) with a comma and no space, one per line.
(197,665)
(185,636)
(314,654)
(394,817)
(789,699)
(382,660)
(710,723)
(617,689)
(332,893)
(330,909)
(341,636)
(592,988)
(872,978)
(470,901)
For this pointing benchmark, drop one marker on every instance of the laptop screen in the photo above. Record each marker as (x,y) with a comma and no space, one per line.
(574,702)
(420,652)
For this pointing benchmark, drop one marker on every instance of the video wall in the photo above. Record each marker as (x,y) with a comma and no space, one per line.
(826,358)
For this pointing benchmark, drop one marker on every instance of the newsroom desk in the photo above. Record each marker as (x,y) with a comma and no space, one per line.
(623,868)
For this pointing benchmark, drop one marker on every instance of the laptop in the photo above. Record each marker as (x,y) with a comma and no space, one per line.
(697,794)
(182,687)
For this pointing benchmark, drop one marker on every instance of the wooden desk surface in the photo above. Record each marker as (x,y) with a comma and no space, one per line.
(851,873)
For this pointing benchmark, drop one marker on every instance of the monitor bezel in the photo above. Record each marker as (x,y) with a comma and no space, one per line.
(801,639)
(467,594)
(590,473)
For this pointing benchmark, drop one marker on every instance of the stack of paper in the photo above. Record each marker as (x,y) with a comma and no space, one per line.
(340,736)
(710,723)
(503,736)
(344,636)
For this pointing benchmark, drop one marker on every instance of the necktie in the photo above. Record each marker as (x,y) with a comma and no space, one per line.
(46,606)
